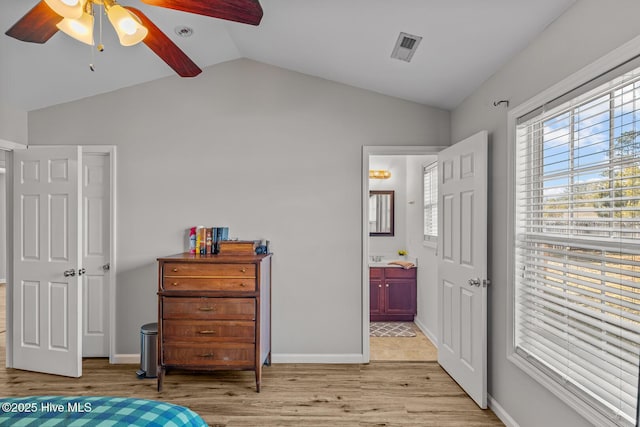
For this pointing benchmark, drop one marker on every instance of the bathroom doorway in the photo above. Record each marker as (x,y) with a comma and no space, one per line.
(3,260)
(390,333)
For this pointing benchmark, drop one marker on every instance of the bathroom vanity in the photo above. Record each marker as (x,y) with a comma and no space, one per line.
(392,294)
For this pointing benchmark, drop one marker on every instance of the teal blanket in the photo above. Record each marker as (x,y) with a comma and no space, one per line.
(88,411)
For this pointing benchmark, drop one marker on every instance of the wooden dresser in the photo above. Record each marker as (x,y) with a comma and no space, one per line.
(214,313)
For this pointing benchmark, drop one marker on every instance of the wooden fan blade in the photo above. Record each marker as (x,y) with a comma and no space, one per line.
(37,26)
(243,11)
(166,49)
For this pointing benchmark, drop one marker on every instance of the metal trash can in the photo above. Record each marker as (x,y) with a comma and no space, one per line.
(148,351)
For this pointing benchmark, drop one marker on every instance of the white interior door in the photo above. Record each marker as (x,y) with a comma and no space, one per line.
(462,264)
(47,332)
(95,254)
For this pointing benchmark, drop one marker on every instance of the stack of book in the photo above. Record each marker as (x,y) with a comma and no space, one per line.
(205,240)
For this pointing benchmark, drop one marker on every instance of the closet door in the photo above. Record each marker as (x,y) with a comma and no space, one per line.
(47,295)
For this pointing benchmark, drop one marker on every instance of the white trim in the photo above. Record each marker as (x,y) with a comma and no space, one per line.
(367,151)
(9,259)
(431,244)
(352,359)
(125,359)
(598,67)
(318,358)
(432,337)
(501,413)
(111,151)
(10,145)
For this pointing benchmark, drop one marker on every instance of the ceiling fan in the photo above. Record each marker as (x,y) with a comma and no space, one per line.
(76,18)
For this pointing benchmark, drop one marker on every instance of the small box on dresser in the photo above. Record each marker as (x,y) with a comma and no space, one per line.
(214,313)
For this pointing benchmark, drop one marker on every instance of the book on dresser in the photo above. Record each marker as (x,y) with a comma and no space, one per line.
(214,313)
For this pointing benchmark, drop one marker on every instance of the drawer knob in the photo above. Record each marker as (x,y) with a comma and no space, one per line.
(243,285)
(206,308)
(387,285)
(243,270)
(206,332)
(174,283)
(206,355)
(174,269)
(379,286)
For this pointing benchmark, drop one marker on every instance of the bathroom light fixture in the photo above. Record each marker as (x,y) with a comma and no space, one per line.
(379,174)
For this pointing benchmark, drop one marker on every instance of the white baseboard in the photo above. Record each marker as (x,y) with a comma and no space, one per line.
(501,413)
(427,332)
(125,359)
(317,358)
(275,358)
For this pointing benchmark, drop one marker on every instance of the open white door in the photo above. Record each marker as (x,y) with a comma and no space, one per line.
(47,328)
(96,251)
(462,264)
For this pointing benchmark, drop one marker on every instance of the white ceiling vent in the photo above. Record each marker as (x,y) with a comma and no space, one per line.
(405,47)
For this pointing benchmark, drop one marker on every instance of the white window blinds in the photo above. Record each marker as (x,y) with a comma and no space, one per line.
(577,243)
(430,175)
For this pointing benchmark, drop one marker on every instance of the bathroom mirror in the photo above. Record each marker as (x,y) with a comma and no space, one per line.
(380,213)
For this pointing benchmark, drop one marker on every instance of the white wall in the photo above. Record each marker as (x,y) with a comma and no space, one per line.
(13,124)
(587,31)
(397,165)
(427,280)
(269,152)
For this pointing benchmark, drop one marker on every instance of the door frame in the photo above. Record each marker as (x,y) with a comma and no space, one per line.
(109,150)
(367,151)
(8,147)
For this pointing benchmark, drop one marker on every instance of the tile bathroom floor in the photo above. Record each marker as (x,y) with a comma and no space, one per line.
(410,349)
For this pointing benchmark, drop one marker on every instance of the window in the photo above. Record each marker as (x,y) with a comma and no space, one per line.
(430,175)
(577,244)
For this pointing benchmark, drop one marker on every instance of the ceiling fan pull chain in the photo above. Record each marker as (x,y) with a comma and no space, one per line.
(101,13)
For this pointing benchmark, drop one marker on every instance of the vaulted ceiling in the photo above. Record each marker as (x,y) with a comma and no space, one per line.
(347,41)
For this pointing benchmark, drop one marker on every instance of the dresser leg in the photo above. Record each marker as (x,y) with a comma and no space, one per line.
(160,378)
(258,378)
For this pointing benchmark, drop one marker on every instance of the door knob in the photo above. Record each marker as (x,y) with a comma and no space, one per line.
(474,282)
(69,273)
(477,282)
(106,267)
(81,271)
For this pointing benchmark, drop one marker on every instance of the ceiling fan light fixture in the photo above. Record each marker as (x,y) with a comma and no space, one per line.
(128,27)
(80,29)
(71,9)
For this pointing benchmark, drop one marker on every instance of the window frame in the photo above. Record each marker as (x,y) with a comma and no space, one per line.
(582,78)
(428,239)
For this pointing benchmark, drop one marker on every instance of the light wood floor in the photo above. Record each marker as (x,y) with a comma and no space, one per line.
(378,394)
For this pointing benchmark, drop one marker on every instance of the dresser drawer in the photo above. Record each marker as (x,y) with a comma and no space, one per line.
(194,269)
(208,308)
(220,355)
(208,284)
(209,330)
